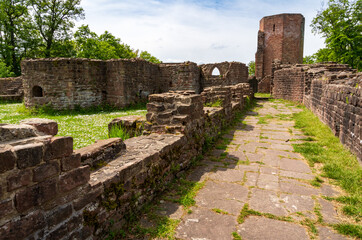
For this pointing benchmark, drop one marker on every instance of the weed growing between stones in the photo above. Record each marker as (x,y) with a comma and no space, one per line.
(217,103)
(119,132)
(217,210)
(263,120)
(236,236)
(246,211)
(316,182)
(349,229)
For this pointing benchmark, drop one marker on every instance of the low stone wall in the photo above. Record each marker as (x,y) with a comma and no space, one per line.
(338,103)
(264,86)
(48,191)
(11,89)
(332,91)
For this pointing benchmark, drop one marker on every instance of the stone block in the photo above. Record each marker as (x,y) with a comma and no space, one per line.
(74,178)
(71,162)
(59,147)
(59,215)
(46,126)
(58,233)
(7,160)
(20,228)
(35,195)
(45,171)
(11,132)
(29,155)
(20,179)
(6,207)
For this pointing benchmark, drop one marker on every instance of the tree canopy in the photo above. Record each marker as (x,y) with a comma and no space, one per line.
(43,28)
(340,24)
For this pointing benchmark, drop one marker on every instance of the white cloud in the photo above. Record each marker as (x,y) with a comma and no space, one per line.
(190,30)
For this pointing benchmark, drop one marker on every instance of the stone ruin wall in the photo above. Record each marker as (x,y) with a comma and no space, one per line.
(280,37)
(231,73)
(66,83)
(332,91)
(11,88)
(49,191)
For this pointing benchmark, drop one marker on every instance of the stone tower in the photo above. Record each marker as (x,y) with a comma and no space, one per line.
(280,37)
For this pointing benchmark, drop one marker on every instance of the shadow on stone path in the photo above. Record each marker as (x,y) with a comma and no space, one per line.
(260,169)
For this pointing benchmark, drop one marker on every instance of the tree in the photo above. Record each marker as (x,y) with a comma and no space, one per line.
(14,21)
(340,24)
(251,66)
(148,57)
(5,71)
(55,19)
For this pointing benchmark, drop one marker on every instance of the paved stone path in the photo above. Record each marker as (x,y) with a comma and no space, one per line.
(258,170)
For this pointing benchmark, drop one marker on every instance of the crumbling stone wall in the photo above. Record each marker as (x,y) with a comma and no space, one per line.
(11,88)
(181,76)
(293,82)
(332,91)
(64,83)
(231,73)
(47,191)
(130,81)
(67,83)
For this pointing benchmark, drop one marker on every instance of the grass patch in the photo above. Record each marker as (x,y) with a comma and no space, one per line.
(310,225)
(349,229)
(236,236)
(262,95)
(338,163)
(217,103)
(84,125)
(217,210)
(316,182)
(263,120)
(246,211)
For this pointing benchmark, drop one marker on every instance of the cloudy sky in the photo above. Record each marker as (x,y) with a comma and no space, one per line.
(190,30)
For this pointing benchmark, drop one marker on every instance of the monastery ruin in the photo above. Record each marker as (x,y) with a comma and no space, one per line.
(50,191)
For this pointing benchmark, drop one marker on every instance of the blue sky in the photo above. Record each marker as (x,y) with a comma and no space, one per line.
(199,31)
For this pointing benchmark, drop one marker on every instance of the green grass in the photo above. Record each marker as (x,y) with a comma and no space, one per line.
(263,119)
(84,125)
(217,210)
(339,164)
(262,95)
(217,103)
(236,236)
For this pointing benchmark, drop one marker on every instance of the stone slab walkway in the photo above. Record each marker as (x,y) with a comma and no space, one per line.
(258,174)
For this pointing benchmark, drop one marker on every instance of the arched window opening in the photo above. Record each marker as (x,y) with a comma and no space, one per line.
(38,91)
(274,28)
(215,72)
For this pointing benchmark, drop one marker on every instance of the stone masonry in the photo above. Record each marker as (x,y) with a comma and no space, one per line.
(66,83)
(332,91)
(280,37)
(49,191)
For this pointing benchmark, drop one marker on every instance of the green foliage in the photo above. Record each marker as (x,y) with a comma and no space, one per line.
(309,59)
(251,66)
(148,57)
(236,236)
(349,229)
(217,103)
(340,24)
(5,71)
(55,19)
(262,95)
(119,132)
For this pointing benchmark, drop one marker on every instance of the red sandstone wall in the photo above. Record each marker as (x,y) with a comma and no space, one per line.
(338,103)
(288,83)
(231,73)
(181,76)
(280,37)
(131,81)
(66,83)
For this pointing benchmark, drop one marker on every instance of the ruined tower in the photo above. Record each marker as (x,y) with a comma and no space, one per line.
(280,37)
